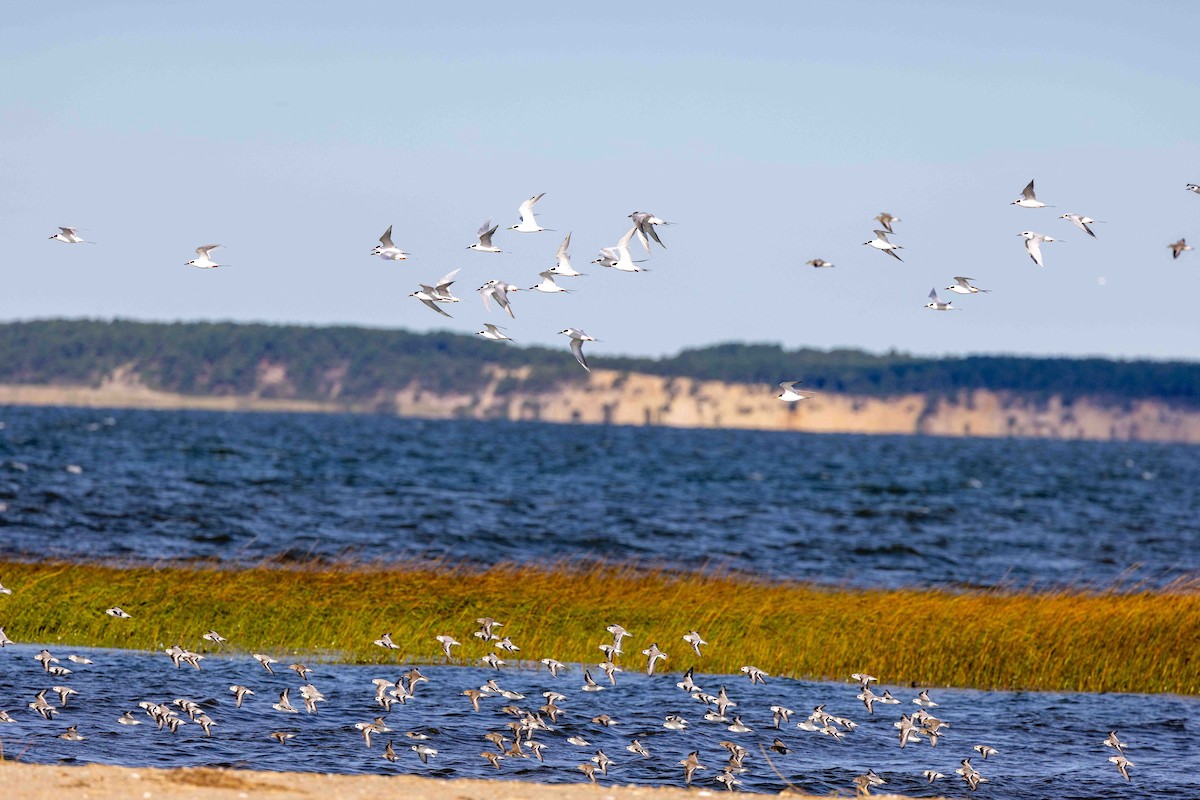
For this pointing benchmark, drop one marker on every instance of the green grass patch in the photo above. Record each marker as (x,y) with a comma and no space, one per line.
(1140,641)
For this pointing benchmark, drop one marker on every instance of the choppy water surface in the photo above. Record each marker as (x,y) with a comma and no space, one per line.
(879,511)
(1050,744)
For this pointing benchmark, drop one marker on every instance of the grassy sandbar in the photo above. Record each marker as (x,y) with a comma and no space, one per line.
(1142,641)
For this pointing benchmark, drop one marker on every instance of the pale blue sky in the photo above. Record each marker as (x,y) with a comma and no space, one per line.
(294,133)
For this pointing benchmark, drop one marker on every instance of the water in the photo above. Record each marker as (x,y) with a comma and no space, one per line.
(1050,744)
(873,511)
(877,511)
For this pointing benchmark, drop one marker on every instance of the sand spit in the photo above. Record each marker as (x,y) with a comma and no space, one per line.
(96,782)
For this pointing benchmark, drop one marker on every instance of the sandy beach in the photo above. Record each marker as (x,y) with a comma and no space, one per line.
(95,782)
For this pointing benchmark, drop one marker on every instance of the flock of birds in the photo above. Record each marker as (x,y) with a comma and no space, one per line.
(619,257)
(530,727)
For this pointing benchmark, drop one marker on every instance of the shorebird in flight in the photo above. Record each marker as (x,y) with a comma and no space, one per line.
(1191,187)
(1028,199)
(1081,222)
(387,250)
(963,286)
(1179,247)
(618,257)
(644,223)
(266,661)
(653,655)
(937,305)
(118,612)
(70,236)
(578,337)
(216,638)
(547,286)
(562,262)
(493,332)
(438,293)
(239,693)
(881,243)
(693,638)
(485,233)
(1112,741)
(1123,765)
(885,219)
(788,392)
(202,259)
(528,223)
(1033,245)
(498,291)
(819,263)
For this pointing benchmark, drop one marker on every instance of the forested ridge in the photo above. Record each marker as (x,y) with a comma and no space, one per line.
(358,364)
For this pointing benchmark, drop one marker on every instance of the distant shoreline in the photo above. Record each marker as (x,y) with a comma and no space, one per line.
(634,399)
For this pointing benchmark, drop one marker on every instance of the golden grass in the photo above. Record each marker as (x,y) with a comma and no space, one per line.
(1141,641)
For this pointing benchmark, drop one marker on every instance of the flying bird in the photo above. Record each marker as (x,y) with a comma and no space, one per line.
(819,263)
(644,223)
(528,223)
(493,332)
(547,286)
(1081,222)
(438,293)
(202,260)
(485,233)
(1033,245)
(70,236)
(618,257)
(578,337)
(788,392)
(387,250)
(498,291)
(1179,247)
(885,219)
(1028,199)
(562,262)
(963,286)
(880,242)
(938,305)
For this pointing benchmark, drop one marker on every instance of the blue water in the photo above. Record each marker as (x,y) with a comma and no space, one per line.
(873,511)
(1050,744)
(878,511)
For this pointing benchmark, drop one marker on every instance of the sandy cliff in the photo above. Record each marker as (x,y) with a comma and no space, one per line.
(617,398)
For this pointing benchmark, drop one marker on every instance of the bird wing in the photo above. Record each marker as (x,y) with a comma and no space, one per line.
(434,306)
(577,349)
(204,250)
(526,209)
(485,233)
(882,236)
(1027,193)
(933,296)
(1035,250)
(386,239)
(562,248)
(445,281)
(623,244)
(964,282)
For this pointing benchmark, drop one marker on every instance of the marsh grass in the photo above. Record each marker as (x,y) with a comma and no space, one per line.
(1071,640)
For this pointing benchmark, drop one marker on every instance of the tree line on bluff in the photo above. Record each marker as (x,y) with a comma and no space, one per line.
(358,364)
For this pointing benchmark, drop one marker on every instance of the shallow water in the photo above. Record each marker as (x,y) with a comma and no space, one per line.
(1050,744)
(878,511)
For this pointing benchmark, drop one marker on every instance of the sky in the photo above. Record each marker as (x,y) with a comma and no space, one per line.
(768,133)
